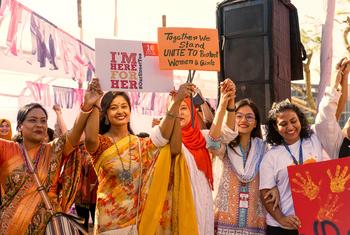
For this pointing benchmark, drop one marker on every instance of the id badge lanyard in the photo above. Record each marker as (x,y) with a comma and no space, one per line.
(301,160)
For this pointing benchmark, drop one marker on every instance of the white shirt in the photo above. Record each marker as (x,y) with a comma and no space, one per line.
(273,171)
(326,126)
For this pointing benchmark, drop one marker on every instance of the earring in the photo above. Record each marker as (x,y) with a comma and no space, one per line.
(106,121)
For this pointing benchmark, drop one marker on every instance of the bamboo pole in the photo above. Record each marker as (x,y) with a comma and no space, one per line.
(80,21)
(163,20)
(303,105)
(115,32)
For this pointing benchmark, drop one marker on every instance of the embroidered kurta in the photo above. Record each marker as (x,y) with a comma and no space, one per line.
(233,181)
(231,215)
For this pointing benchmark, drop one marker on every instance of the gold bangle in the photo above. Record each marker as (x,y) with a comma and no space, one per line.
(86,112)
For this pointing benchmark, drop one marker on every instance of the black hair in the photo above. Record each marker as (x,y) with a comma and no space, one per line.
(23,112)
(143,135)
(256,132)
(50,134)
(272,135)
(105,103)
(17,138)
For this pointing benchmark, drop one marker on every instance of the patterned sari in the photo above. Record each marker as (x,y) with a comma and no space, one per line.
(22,210)
(116,204)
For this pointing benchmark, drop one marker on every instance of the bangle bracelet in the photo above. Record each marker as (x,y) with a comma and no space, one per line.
(96,106)
(230,110)
(215,139)
(83,111)
(171,115)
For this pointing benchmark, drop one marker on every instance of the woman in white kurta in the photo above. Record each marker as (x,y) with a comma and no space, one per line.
(194,146)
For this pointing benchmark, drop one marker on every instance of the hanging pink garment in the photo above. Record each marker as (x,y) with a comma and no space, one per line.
(13,27)
(64,50)
(134,98)
(160,104)
(70,54)
(64,96)
(5,5)
(78,95)
(43,92)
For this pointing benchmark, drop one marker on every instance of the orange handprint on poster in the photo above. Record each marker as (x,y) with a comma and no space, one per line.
(329,209)
(338,181)
(323,208)
(308,187)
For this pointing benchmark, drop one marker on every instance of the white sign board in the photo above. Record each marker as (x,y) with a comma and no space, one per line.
(130,66)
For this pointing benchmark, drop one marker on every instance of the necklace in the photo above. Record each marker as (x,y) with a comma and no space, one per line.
(36,160)
(125,175)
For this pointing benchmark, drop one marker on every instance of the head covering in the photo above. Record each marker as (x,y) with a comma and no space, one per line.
(8,136)
(196,144)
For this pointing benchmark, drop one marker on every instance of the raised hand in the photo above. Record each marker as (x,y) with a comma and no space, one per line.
(228,92)
(346,67)
(57,108)
(227,85)
(93,94)
(185,90)
(343,69)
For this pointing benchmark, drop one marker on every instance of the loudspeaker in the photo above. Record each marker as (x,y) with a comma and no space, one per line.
(254,36)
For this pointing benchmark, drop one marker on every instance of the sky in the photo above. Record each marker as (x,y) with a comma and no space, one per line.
(139,19)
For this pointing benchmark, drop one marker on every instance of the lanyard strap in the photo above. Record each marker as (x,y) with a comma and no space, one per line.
(245,153)
(301,161)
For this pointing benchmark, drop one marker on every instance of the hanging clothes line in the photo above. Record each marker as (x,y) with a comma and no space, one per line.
(39,43)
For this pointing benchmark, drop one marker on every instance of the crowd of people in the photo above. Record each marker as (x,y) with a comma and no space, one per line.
(198,172)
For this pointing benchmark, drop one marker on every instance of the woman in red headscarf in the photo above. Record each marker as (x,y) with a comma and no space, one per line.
(195,145)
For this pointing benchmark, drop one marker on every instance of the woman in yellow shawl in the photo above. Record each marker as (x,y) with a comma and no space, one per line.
(118,155)
(22,210)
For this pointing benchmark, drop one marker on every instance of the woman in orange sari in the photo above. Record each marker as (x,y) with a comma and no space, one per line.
(22,210)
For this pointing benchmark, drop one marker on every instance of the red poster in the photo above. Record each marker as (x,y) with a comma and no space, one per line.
(321,196)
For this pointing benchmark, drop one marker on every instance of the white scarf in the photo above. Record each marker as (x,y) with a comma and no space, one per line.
(254,158)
